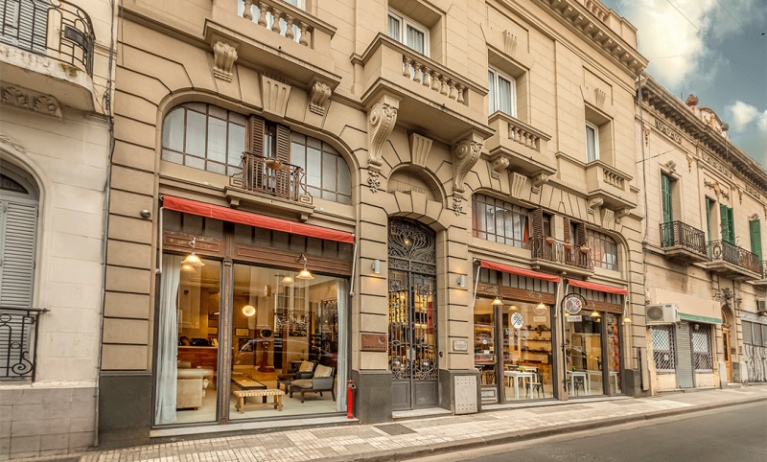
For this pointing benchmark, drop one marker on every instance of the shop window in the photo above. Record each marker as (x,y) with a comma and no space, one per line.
(502,93)
(701,348)
(500,221)
(663,349)
(604,250)
(583,355)
(256,12)
(408,32)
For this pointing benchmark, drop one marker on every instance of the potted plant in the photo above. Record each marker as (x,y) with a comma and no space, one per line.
(568,244)
(585,249)
(550,240)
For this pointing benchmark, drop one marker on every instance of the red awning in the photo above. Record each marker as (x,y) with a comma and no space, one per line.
(518,271)
(599,287)
(236,216)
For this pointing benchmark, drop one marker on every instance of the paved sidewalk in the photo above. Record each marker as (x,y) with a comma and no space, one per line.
(422,437)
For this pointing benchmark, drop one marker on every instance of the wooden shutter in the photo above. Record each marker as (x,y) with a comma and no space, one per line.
(668,213)
(283,176)
(580,234)
(566,225)
(708,218)
(724,221)
(731,224)
(756,237)
(25,26)
(537,216)
(17,253)
(252,170)
(255,142)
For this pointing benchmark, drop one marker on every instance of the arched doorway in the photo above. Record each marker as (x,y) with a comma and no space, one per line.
(726,343)
(412,314)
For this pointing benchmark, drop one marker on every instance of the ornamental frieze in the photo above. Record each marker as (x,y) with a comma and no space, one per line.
(718,166)
(752,190)
(668,131)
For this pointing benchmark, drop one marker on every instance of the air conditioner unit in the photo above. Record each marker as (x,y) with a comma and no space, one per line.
(661,314)
(761,307)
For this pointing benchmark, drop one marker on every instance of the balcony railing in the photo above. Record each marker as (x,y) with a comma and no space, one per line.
(730,253)
(58,30)
(763,268)
(281,18)
(546,248)
(18,336)
(260,175)
(677,233)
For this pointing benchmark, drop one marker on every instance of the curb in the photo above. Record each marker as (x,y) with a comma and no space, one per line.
(514,437)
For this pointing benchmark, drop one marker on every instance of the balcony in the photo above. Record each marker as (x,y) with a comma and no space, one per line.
(559,257)
(49,54)
(733,262)
(609,185)
(273,33)
(17,343)
(682,242)
(763,274)
(266,183)
(524,146)
(432,97)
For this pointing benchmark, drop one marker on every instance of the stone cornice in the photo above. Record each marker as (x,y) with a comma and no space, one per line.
(592,29)
(716,150)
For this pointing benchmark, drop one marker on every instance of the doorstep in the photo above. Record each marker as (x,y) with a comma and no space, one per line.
(551,402)
(686,390)
(288,424)
(420,413)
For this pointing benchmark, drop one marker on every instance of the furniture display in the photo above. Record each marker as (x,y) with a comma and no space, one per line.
(317,384)
(582,377)
(242,394)
(190,387)
(516,376)
(296,373)
(248,384)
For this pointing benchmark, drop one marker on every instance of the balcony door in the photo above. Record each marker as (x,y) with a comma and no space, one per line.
(412,314)
(668,211)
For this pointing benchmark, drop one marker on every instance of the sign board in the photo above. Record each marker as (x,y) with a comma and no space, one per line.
(574,318)
(539,318)
(460,345)
(517,320)
(573,303)
(374,342)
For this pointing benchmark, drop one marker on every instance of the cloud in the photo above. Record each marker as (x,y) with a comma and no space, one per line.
(741,115)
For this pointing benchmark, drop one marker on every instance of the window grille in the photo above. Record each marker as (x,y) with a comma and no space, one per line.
(747,338)
(663,348)
(701,347)
(18,337)
(500,221)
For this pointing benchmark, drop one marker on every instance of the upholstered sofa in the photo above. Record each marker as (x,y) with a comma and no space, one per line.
(191,385)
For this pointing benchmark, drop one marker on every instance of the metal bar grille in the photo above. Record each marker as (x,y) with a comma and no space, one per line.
(677,233)
(663,348)
(18,337)
(701,347)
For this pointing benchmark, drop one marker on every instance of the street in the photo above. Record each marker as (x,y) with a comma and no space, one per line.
(735,433)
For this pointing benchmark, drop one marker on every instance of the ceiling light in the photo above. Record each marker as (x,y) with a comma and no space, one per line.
(594,314)
(288,280)
(187,268)
(513,307)
(497,301)
(542,306)
(192,260)
(304,274)
(248,310)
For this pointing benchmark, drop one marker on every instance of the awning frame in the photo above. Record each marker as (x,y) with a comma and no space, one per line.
(597,287)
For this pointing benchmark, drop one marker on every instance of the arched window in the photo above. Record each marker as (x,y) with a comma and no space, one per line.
(500,221)
(327,175)
(604,250)
(205,137)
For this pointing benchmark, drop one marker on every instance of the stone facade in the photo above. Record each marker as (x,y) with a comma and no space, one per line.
(55,143)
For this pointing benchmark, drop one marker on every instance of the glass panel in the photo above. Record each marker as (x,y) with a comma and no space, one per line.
(484,341)
(173,130)
(286,336)
(504,95)
(216,139)
(491,92)
(214,167)
(615,380)
(583,355)
(591,144)
(216,111)
(187,347)
(174,157)
(344,178)
(195,133)
(236,144)
(313,168)
(194,162)
(394,26)
(329,172)
(237,118)
(415,40)
(527,360)
(298,155)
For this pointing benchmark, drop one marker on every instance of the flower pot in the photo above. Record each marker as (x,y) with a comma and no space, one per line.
(585,249)
(550,240)
(568,245)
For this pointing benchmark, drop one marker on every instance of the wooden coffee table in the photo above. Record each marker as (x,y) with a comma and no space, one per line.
(248,384)
(241,395)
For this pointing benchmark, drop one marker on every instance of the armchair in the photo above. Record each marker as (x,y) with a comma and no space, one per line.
(304,371)
(323,379)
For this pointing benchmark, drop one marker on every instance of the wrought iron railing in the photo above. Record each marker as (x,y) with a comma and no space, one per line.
(546,248)
(731,253)
(677,233)
(18,337)
(763,267)
(53,28)
(269,176)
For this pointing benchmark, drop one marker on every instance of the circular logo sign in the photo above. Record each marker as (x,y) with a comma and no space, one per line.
(517,320)
(573,303)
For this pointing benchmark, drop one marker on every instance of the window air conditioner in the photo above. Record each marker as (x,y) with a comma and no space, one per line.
(661,314)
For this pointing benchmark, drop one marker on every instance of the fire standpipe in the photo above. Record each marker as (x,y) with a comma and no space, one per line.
(351,386)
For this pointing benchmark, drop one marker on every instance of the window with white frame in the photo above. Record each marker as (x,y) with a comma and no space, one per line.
(502,92)
(592,142)
(406,31)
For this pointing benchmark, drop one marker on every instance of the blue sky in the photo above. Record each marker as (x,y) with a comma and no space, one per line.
(714,49)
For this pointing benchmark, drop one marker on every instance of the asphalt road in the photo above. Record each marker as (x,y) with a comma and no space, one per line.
(728,434)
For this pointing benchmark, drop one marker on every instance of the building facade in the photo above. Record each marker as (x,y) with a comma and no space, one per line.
(55,71)
(705,231)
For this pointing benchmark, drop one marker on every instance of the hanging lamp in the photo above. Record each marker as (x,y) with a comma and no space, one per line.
(248,310)
(304,274)
(192,259)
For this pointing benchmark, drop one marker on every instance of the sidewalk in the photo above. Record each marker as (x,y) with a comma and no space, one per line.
(415,438)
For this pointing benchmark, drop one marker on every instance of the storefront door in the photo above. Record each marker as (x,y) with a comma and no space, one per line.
(412,314)
(726,347)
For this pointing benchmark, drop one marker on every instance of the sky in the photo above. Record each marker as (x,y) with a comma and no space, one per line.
(714,49)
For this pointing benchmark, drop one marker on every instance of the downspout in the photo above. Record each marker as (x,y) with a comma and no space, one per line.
(646,213)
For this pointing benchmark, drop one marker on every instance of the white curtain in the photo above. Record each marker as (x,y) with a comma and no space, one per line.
(342,288)
(415,40)
(167,341)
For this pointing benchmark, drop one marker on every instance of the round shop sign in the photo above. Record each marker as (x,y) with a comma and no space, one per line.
(517,320)
(573,303)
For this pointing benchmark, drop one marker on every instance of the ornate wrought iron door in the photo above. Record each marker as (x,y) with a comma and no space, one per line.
(412,314)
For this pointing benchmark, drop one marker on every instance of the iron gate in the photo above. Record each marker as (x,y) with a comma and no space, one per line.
(412,314)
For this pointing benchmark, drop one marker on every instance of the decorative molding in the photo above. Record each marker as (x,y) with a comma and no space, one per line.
(717,188)
(647,137)
(539,180)
(622,213)
(671,166)
(595,203)
(599,97)
(319,96)
(381,120)
(30,100)
(420,147)
(518,181)
(509,42)
(5,139)
(457,204)
(753,217)
(752,190)
(668,131)
(224,56)
(740,195)
(690,160)
(275,96)
(465,155)
(608,218)
(498,165)
(765,211)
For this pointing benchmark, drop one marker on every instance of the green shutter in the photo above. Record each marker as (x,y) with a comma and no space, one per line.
(756,237)
(724,222)
(731,225)
(708,218)
(668,213)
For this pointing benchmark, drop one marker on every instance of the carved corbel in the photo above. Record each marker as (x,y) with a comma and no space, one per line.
(465,156)
(690,160)
(30,100)
(509,43)
(647,137)
(224,56)
(539,180)
(320,94)
(599,97)
(498,165)
(621,213)
(718,190)
(740,196)
(595,204)
(381,120)
(608,218)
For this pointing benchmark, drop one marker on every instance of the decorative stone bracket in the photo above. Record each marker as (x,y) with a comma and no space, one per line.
(30,100)
(498,164)
(595,204)
(320,94)
(382,117)
(420,147)
(622,213)
(539,180)
(718,190)
(465,156)
(224,56)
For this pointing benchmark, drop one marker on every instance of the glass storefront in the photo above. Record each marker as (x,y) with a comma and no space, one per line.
(583,354)
(527,354)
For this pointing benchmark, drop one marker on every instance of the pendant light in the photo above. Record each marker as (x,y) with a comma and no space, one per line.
(248,310)
(304,274)
(193,260)
(513,307)
(288,280)
(187,268)
(497,301)
(595,314)
(541,306)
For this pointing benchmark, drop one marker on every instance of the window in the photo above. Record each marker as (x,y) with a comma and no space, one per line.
(592,142)
(604,250)
(327,175)
(406,31)
(756,237)
(701,347)
(25,25)
(502,92)
(499,221)
(663,348)
(709,206)
(727,221)
(205,137)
